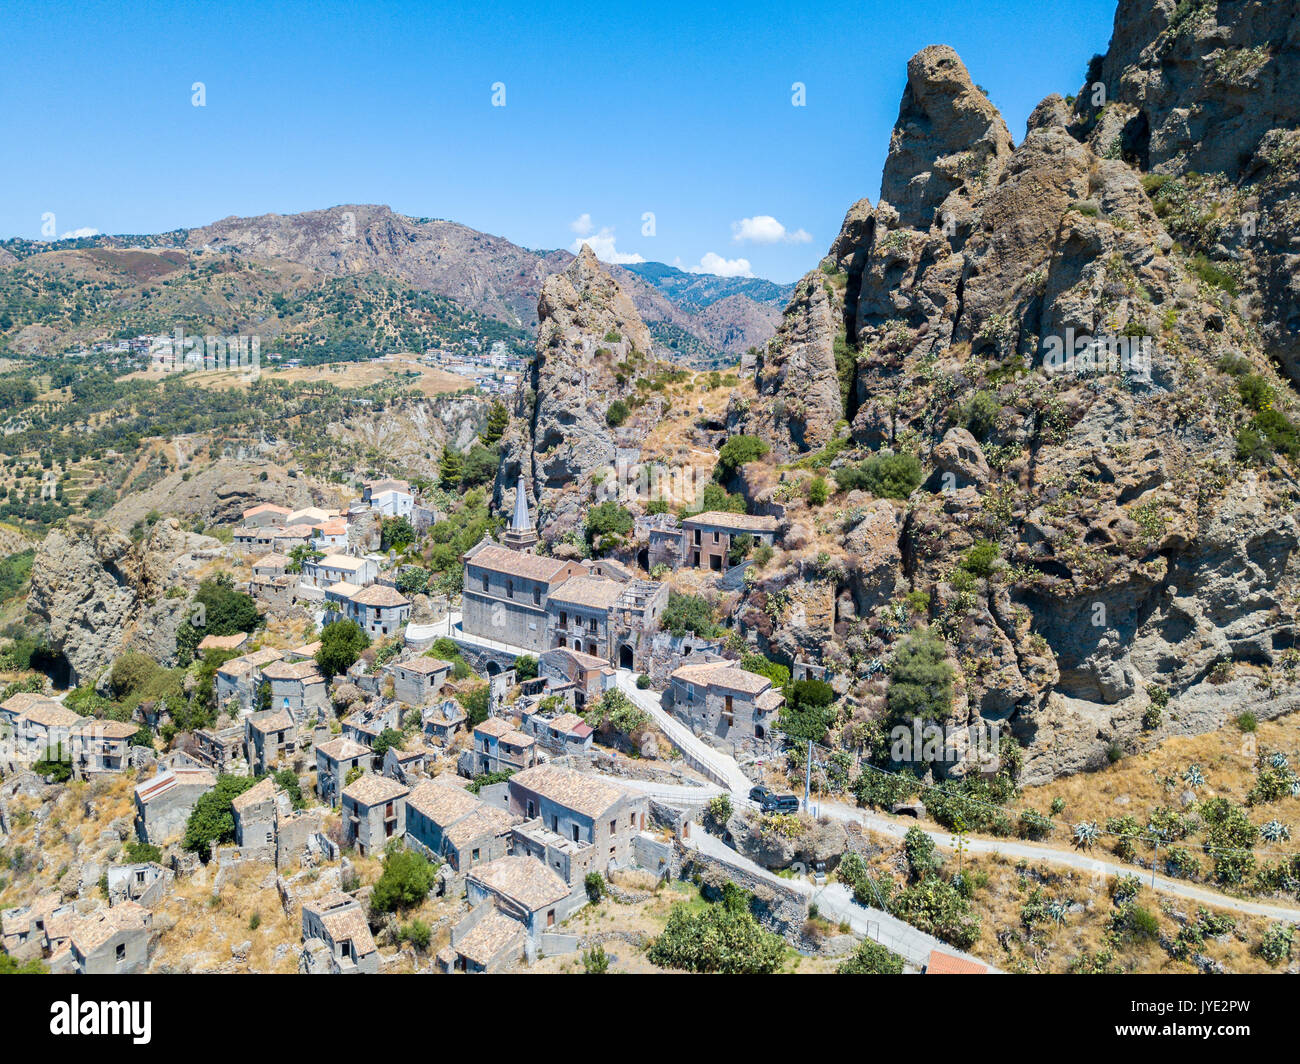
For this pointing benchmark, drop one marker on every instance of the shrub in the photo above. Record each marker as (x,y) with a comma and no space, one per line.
(594,884)
(979,559)
(717,938)
(818,491)
(887,476)
(979,414)
(617,413)
(418,934)
(211,820)
(718,809)
(341,643)
(688,613)
(525,667)
(595,961)
(608,524)
(736,452)
(871,958)
(643,682)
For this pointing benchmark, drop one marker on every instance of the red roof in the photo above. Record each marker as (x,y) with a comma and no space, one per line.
(946,964)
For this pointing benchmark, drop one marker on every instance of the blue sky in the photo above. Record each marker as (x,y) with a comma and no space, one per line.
(679,109)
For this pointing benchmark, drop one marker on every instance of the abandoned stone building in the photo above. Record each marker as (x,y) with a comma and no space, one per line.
(525,890)
(268,828)
(374,811)
(163,804)
(443,722)
(486,940)
(221,749)
(605,618)
(722,700)
(498,747)
(144,883)
(580,808)
(269,736)
(506,592)
(577,677)
(241,677)
(334,761)
(38,929)
(298,688)
(560,733)
(704,540)
(333,568)
(417,681)
(408,763)
(338,923)
(452,825)
(101,746)
(112,941)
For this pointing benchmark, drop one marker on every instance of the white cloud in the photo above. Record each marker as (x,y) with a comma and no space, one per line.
(718,266)
(582,224)
(77,234)
(602,243)
(764,229)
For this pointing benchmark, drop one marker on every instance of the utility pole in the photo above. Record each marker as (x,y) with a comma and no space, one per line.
(807,777)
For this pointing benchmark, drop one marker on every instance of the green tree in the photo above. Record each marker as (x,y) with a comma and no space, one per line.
(498,419)
(450,468)
(525,667)
(736,452)
(810,711)
(341,643)
(217,609)
(688,613)
(211,821)
(920,680)
(396,533)
(717,938)
(405,881)
(388,739)
(608,525)
(617,413)
(871,958)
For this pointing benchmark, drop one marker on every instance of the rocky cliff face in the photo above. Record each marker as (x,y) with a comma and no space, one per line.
(1205,93)
(102,593)
(1139,549)
(559,434)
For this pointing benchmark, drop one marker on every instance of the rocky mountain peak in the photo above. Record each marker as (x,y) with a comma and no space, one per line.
(947,130)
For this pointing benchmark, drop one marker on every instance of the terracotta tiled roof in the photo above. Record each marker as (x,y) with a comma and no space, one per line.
(515,563)
(277,721)
(424,666)
(488,937)
(946,964)
(51,714)
(493,726)
(20,703)
(297,670)
(343,749)
(223,642)
(94,930)
(380,595)
(372,789)
(346,562)
(264,508)
(723,674)
(105,729)
(272,561)
(581,792)
(442,804)
(594,592)
(259,792)
(524,880)
(344,919)
(741,522)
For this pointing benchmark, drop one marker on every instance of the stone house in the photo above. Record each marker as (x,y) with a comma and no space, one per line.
(374,811)
(506,592)
(339,922)
(499,747)
(101,746)
(369,722)
(144,883)
(221,749)
(269,566)
(333,568)
(299,535)
(297,687)
(40,727)
(278,592)
(409,764)
(525,890)
(112,941)
(331,536)
(163,804)
(239,678)
(706,537)
(264,514)
(577,614)
(452,825)
(379,609)
(268,828)
(31,931)
(255,539)
(581,808)
(722,700)
(560,733)
(485,941)
(269,736)
(443,722)
(334,761)
(417,681)
(581,678)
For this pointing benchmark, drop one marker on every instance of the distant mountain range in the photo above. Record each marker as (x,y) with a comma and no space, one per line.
(697,318)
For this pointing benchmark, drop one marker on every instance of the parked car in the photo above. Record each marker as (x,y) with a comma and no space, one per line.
(780,803)
(761,794)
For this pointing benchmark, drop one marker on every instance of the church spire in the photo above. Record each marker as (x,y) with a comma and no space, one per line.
(520,535)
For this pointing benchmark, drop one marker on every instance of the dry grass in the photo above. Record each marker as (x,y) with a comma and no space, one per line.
(405,369)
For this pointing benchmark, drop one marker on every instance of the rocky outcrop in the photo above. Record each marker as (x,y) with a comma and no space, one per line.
(559,434)
(1134,545)
(101,593)
(1205,93)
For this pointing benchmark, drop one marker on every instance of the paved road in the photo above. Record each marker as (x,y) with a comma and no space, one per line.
(1082,861)
(836,903)
(714,764)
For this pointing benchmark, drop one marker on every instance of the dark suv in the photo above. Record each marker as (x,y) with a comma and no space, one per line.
(775,803)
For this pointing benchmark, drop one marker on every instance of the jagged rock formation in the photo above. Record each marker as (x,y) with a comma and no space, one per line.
(101,593)
(1138,549)
(1206,92)
(559,434)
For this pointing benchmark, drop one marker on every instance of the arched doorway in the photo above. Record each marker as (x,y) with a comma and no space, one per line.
(626,660)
